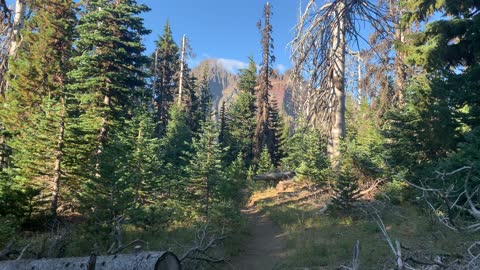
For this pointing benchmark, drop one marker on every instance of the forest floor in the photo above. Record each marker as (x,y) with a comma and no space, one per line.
(289,229)
(265,247)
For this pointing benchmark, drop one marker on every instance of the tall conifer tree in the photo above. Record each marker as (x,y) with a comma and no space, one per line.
(37,99)
(262,131)
(166,83)
(242,115)
(205,168)
(205,99)
(105,80)
(276,126)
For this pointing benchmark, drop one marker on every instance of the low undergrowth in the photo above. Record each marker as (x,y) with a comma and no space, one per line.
(326,240)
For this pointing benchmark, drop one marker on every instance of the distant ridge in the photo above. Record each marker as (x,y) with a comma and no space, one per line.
(223,84)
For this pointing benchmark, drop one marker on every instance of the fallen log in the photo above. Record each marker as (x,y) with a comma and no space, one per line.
(274,176)
(164,260)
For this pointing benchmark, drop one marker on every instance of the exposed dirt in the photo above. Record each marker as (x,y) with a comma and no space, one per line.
(265,248)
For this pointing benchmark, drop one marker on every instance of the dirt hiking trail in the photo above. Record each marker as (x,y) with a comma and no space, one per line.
(265,248)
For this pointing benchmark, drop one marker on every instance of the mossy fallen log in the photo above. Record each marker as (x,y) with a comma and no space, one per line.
(163,260)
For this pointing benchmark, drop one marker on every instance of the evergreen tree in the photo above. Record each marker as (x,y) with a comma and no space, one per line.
(265,164)
(236,180)
(223,136)
(247,81)
(276,127)
(106,81)
(346,191)
(306,154)
(205,99)
(424,130)
(143,165)
(442,102)
(175,148)
(190,97)
(205,169)
(262,132)
(166,83)
(36,102)
(241,115)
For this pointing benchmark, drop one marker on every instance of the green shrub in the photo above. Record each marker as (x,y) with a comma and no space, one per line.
(397,191)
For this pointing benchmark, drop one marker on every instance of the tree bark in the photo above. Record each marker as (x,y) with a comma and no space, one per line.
(155,78)
(18,24)
(261,129)
(3,149)
(337,131)
(399,63)
(182,66)
(58,161)
(102,136)
(164,260)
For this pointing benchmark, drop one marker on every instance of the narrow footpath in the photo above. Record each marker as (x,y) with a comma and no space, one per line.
(265,248)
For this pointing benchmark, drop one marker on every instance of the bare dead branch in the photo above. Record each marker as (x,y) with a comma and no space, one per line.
(449,200)
(23,251)
(312,51)
(203,243)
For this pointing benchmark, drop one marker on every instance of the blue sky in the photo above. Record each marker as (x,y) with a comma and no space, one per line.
(225,29)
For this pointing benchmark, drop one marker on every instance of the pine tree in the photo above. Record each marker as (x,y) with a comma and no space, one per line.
(306,154)
(265,164)
(167,83)
(205,99)
(223,136)
(447,51)
(205,169)
(276,127)
(247,81)
(190,97)
(106,82)
(175,148)
(37,98)
(262,132)
(241,115)
(236,180)
(346,191)
(143,165)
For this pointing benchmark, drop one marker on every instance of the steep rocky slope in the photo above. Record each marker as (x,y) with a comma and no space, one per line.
(223,84)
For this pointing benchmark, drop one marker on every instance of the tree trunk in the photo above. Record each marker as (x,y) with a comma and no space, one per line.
(3,149)
(155,78)
(359,73)
(143,261)
(102,136)
(18,24)
(399,63)
(58,161)
(261,130)
(182,66)
(337,131)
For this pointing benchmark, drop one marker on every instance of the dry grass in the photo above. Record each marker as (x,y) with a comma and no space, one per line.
(325,241)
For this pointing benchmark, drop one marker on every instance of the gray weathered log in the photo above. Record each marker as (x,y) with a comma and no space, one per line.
(274,176)
(163,260)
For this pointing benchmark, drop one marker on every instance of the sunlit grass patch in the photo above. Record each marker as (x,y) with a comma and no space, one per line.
(326,241)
